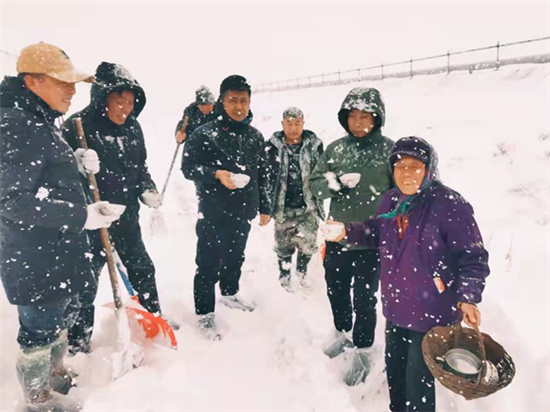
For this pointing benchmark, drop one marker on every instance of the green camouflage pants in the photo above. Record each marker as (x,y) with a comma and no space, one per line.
(298,230)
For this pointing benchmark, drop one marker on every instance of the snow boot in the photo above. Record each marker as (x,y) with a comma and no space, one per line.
(337,343)
(207,327)
(62,379)
(236,302)
(34,369)
(301,269)
(358,365)
(285,263)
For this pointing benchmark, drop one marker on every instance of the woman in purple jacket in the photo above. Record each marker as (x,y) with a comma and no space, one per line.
(433,266)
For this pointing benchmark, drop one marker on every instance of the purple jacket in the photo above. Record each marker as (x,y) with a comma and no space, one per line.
(442,241)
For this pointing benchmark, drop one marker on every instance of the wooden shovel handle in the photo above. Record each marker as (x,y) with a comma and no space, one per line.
(103,233)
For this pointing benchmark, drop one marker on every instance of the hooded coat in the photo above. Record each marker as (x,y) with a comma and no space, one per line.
(43,246)
(349,154)
(124,175)
(442,245)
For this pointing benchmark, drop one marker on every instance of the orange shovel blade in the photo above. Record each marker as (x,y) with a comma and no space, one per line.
(146,326)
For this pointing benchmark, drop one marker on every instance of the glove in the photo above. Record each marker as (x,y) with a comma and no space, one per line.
(152,198)
(87,161)
(102,214)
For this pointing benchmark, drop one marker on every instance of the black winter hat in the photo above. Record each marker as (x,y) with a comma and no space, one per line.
(203,95)
(411,146)
(236,83)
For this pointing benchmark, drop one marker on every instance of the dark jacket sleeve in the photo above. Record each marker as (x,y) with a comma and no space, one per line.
(463,240)
(363,234)
(178,127)
(191,122)
(269,170)
(180,123)
(69,133)
(145,181)
(195,159)
(22,199)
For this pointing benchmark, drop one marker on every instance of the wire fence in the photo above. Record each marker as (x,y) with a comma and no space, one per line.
(482,58)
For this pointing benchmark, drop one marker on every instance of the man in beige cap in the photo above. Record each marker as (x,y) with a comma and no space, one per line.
(44,247)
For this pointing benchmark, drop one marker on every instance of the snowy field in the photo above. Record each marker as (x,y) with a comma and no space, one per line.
(491,130)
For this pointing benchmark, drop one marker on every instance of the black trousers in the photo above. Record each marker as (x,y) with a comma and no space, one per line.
(363,267)
(128,242)
(409,379)
(220,256)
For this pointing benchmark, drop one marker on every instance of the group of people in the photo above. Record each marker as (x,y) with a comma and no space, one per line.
(391,220)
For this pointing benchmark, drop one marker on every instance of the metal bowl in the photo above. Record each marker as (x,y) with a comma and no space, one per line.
(463,363)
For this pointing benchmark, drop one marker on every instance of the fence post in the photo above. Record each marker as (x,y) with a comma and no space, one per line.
(382,71)
(309,80)
(359,75)
(339,77)
(411,68)
(498,55)
(448,62)
(323,79)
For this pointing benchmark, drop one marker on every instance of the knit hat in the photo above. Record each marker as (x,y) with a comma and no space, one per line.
(411,146)
(293,112)
(235,83)
(203,95)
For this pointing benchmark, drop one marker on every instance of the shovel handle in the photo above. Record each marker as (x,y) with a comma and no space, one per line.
(123,275)
(103,233)
(183,127)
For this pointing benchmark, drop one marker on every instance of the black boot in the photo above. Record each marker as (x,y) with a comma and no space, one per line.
(301,269)
(285,264)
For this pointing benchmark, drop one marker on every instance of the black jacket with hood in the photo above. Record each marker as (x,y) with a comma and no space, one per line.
(43,246)
(224,144)
(123,176)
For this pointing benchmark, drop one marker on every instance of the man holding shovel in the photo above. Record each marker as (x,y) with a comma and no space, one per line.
(112,130)
(200,112)
(222,159)
(45,266)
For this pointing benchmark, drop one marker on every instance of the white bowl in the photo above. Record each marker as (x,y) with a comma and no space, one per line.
(113,209)
(240,180)
(350,179)
(331,231)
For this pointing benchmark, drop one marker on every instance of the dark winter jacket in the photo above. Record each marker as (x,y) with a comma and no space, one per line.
(441,245)
(275,168)
(195,118)
(123,176)
(42,206)
(367,156)
(224,144)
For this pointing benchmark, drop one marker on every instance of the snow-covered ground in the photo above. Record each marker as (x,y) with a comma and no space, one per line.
(491,130)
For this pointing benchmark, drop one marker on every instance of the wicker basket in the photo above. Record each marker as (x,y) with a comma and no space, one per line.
(441,339)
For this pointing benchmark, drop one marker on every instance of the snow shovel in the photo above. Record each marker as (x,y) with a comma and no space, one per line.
(145,326)
(157,222)
(128,354)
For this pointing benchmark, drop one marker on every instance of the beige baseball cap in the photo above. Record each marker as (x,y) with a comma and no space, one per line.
(44,58)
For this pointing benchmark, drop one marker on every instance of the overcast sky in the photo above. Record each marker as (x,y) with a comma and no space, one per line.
(174,47)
